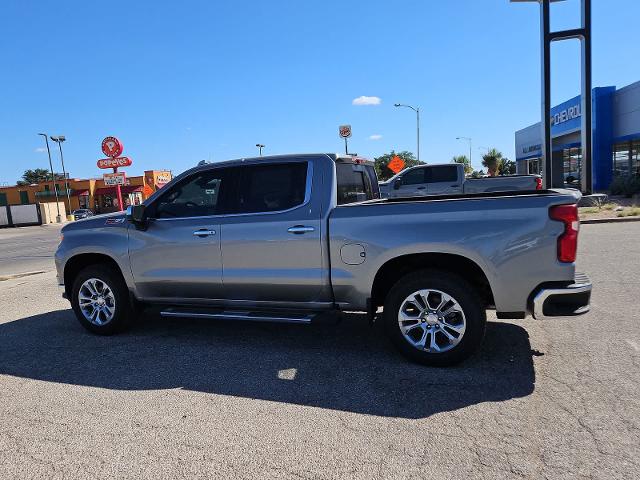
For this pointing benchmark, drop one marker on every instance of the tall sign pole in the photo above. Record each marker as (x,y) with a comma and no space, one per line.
(555,177)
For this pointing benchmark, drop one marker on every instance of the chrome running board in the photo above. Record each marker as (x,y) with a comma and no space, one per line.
(251,316)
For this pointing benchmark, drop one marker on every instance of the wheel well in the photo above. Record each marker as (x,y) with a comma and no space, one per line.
(398,267)
(75,264)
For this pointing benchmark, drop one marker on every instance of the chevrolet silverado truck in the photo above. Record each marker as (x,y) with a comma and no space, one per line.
(286,238)
(449,178)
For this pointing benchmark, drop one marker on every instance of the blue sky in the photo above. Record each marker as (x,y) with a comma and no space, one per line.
(179,82)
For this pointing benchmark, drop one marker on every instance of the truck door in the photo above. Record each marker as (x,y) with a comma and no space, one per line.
(177,258)
(443,179)
(271,239)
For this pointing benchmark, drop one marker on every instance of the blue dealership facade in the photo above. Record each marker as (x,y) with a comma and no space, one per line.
(616,138)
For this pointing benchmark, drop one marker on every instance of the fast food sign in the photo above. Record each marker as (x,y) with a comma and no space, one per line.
(111,179)
(112,147)
(114,162)
(344,131)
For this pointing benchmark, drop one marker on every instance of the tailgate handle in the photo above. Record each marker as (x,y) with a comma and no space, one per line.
(300,229)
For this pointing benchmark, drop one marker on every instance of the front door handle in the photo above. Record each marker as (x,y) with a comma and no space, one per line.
(203,232)
(454,186)
(300,229)
(421,188)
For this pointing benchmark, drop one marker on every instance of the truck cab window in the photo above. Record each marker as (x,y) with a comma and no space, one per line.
(197,196)
(413,177)
(271,188)
(441,174)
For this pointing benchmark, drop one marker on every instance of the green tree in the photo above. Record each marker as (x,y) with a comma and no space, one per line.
(34,176)
(477,174)
(382,161)
(492,160)
(464,160)
(508,167)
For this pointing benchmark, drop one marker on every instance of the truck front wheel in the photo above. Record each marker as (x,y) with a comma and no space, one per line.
(100,300)
(434,317)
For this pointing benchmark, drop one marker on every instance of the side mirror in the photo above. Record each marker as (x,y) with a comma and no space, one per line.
(397,184)
(137,215)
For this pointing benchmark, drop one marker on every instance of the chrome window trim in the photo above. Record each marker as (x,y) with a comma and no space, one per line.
(307,199)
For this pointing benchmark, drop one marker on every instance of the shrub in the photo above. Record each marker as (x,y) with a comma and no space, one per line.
(625,185)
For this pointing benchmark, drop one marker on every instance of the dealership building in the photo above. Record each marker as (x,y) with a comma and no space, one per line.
(616,138)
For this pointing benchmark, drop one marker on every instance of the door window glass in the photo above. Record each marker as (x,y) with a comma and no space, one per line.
(441,174)
(413,177)
(271,188)
(196,196)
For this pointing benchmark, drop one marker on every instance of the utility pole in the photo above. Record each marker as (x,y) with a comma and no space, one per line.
(260,147)
(417,110)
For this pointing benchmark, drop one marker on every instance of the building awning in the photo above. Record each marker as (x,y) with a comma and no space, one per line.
(80,193)
(125,190)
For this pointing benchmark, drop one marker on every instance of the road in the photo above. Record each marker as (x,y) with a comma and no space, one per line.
(28,249)
(183,398)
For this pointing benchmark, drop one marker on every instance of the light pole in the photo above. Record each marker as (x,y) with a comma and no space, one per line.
(417,110)
(53,177)
(260,147)
(468,139)
(59,139)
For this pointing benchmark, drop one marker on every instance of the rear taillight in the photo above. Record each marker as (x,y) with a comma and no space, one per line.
(538,183)
(568,241)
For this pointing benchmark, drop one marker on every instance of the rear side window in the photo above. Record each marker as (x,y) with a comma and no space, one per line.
(441,174)
(271,188)
(354,183)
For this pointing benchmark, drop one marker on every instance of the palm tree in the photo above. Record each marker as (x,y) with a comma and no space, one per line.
(464,160)
(492,160)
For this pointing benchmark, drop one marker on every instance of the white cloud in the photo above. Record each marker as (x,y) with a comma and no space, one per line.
(375,137)
(40,150)
(364,100)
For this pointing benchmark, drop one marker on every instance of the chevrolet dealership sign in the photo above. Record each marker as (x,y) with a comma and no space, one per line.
(566,115)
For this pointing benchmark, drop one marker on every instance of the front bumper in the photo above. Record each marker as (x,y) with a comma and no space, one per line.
(562,300)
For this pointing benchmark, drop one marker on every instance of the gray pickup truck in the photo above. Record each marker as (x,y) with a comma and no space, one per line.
(285,238)
(449,178)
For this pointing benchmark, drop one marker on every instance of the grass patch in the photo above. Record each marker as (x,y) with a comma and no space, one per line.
(589,210)
(632,212)
(609,206)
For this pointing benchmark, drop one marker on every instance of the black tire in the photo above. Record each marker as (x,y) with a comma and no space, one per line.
(113,279)
(452,285)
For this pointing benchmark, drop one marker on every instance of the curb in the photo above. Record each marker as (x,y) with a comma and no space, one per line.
(610,220)
(19,275)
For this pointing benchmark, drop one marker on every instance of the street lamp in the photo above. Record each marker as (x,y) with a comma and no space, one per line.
(59,139)
(417,110)
(53,177)
(260,147)
(468,139)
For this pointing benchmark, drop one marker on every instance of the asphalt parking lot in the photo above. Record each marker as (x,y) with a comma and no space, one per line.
(184,398)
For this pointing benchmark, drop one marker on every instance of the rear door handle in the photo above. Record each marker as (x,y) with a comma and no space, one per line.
(300,229)
(203,232)
(421,188)
(454,186)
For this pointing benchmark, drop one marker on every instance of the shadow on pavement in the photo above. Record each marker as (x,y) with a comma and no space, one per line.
(348,366)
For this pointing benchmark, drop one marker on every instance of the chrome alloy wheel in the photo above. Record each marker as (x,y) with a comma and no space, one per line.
(431,320)
(97,302)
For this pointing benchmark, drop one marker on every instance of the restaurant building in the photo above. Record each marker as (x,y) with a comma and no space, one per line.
(89,193)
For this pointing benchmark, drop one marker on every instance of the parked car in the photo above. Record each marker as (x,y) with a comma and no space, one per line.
(82,213)
(284,238)
(449,178)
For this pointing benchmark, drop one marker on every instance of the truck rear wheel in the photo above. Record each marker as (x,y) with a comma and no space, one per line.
(100,300)
(434,317)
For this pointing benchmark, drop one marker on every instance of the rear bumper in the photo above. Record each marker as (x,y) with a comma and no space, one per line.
(562,300)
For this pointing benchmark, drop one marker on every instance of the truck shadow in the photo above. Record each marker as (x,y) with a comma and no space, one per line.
(349,366)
